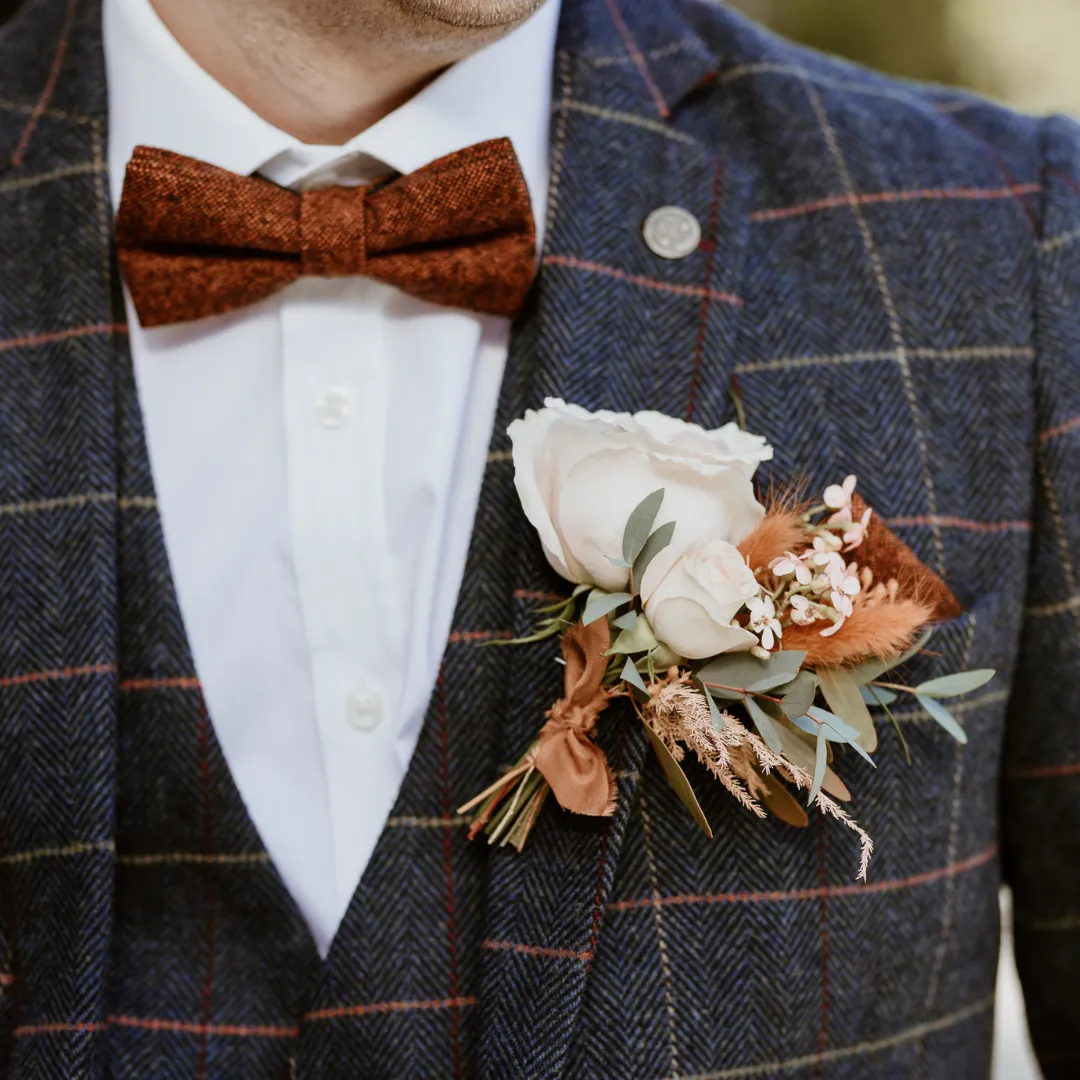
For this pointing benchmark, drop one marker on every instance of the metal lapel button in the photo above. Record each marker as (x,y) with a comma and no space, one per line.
(672,232)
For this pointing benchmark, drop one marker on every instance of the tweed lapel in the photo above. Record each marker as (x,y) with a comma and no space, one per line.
(59,504)
(615,327)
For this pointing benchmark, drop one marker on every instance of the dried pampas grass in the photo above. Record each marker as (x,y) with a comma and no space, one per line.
(881,630)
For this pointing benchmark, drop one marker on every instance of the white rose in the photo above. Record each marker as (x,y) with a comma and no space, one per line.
(580,475)
(691,609)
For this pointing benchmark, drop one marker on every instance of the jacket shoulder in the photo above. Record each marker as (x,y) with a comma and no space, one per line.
(893,133)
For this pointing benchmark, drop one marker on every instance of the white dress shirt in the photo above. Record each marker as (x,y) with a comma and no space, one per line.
(318,456)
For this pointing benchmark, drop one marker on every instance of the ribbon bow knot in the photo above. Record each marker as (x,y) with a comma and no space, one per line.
(574,766)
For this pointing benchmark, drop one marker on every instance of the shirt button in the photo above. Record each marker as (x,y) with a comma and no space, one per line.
(333,408)
(364,711)
(672,232)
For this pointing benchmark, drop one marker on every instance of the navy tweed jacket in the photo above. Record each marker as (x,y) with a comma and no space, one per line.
(890,277)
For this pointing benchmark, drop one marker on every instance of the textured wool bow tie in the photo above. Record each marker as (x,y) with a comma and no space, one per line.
(195,240)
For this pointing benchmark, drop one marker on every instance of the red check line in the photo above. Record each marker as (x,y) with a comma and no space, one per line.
(151,1024)
(929,521)
(1043,772)
(638,59)
(50,84)
(389,1007)
(836,202)
(644,282)
(1059,429)
(178,682)
(546,597)
(830,891)
(539,950)
(28,341)
(58,673)
(469,636)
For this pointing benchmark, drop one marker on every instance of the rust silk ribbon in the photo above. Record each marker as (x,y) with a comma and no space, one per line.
(195,240)
(573,765)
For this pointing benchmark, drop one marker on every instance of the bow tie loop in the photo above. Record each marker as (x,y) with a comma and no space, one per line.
(333,232)
(195,240)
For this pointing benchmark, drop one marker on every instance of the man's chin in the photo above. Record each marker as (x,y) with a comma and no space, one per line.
(470,14)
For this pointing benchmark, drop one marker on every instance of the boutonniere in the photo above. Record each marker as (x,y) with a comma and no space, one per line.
(757,637)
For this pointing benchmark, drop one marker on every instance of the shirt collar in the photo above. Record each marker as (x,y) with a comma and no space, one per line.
(159,96)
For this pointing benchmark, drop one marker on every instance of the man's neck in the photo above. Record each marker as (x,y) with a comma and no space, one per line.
(320,70)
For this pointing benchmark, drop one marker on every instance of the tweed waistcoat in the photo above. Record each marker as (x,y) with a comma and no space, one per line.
(887,282)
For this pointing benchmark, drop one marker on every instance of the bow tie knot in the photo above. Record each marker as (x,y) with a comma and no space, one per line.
(195,240)
(333,232)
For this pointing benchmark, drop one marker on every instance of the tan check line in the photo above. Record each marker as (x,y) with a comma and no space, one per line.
(55,174)
(66,502)
(196,858)
(653,54)
(615,116)
(804,75)
(66,852)
(1063,922)
(974,352)
(871,1046)
(500,455)
(1040,611)
(1061,241)
(948,914)
(426,822)
(1068,567)
(661,939)
(558,144)
(54,114)
(891,312)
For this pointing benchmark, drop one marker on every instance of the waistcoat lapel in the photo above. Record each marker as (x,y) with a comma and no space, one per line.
(616,327)
(58,530)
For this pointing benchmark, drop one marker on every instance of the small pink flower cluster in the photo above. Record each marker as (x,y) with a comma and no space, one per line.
(822,570)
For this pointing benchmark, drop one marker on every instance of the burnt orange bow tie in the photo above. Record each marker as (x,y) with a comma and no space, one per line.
(195,240)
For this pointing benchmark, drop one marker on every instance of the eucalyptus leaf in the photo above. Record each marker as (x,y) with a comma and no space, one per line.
(640,525)
(945,718)
(802,754)
(640,639)
(877,695)
(820,756)
(844,731)
(717,717)
(780,802)
(618,562)
(962,682)
(799,694)
(630,675)
(847,734)
(765,725)
(601,603)
(796,750)
(746,672)
(653,546)
(842,694)
(869,670)
(627,621)
(677,779)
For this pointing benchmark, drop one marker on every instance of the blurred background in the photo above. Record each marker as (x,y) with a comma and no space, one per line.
(1023,52)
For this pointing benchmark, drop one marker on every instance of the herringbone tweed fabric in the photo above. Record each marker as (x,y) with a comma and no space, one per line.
(890,277)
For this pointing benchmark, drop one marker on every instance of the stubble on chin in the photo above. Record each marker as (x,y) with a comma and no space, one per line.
(470,14)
